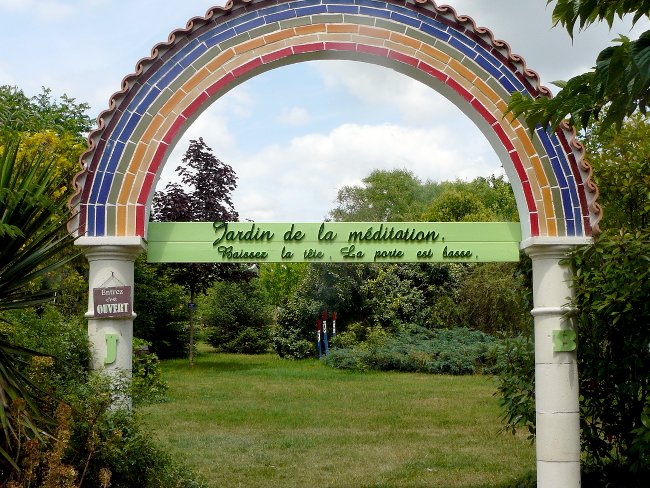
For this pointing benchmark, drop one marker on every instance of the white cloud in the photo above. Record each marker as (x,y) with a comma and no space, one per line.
(374,85)
(294,116)
(299,181)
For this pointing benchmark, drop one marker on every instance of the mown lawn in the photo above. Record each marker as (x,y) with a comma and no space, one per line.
(259,421)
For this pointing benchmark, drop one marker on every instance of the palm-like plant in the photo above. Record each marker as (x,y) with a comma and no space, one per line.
(33,235)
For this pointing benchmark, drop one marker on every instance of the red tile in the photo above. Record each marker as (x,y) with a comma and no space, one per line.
(402,58)
(309,48)
(192,107)
(221,83)
(274,56)
(245,68)
(534,225)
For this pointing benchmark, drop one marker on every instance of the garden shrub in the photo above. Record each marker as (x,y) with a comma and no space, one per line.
(288,343)
(147,383)
(238,317)
(440,351)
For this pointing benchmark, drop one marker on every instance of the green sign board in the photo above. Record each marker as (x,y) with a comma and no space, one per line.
(332,242)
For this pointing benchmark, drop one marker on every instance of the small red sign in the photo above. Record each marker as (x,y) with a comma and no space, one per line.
(114,301)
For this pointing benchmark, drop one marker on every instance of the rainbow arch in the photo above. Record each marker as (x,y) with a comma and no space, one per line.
(230,44)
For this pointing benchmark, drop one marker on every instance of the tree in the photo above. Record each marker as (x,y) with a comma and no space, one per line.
(238,316)
(617,87)
(34,237)
(161,306)
(204,194)
(395,196)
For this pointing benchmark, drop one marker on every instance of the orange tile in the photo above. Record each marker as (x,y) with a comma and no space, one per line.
(249,45)
(148,134)
(121,220)
(340,28)
(525,140)
(127,184)
(172,103)
(435,53)
(218,61)
(486,90)
(462,70)
(539,171)
(548,201)
(366,30)
(310,29)
(407,41)
(279,36)
(552,227)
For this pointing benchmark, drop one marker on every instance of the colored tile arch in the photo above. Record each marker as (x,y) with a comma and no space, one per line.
(229,45)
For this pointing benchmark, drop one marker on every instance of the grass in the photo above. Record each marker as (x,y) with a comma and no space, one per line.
(260,421)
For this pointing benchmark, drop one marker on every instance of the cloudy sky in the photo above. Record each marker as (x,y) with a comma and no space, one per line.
(296,134)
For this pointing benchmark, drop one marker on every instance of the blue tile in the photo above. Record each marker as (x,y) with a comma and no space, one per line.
(487,66)
(90,220)
(220,37)
(505,82)
(570,228)
(273,9)
(371,3)
(406,20)
(130,126)
(277,17)
(100,221)
(115,157)
(249,25)
(169,76)
(304,3)
(318,9)
(437,33)
(465,49)
(374,12)
(343,9)
(148,99)
(195,54)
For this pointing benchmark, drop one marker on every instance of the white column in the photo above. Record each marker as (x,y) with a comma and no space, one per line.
(556,373)
(111,264)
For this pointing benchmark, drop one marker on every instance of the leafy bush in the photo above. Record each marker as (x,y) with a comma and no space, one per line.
(515,377)
(65,339)
(288,343)
(161,308)
(238,317)
(96,445)
(147,383)
(441,351)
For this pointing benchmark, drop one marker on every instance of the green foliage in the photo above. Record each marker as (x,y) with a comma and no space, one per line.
(238,317)
(612,287)
(147,383)
(454,351)
(280,281)
(95,445)
(161,307)
(395,196)
(42,112)
(492,298)
(289,343)
(583,13)
(481,200)
(515,359)
(34,238)
(62,338)
(621,162)
(618,86)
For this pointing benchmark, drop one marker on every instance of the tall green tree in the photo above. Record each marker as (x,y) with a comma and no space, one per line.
(617,86)
(384,196)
